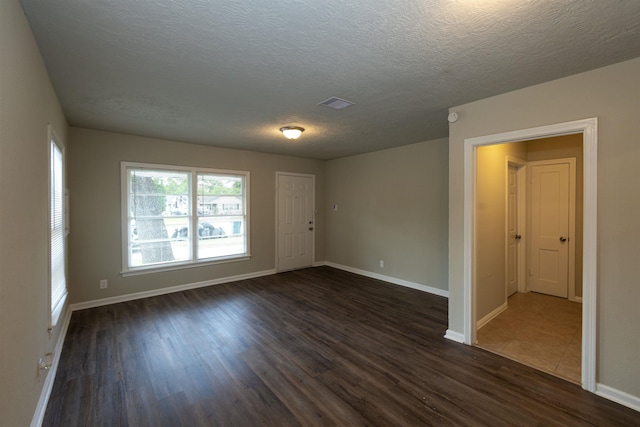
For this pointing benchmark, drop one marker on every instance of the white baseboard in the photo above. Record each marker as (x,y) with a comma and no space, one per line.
(47,387)
(618,396)
(169,290)
(393,280)
(489,317)
(454,336)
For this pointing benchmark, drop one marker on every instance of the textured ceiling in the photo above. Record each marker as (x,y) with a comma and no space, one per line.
(231,73)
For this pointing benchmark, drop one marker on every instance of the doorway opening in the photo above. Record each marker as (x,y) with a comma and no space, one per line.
(473,268)
(537,321)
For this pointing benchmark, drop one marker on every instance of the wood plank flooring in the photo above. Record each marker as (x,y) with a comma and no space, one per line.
(314,347)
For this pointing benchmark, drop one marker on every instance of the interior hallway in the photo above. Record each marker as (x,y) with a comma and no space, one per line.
(541,331)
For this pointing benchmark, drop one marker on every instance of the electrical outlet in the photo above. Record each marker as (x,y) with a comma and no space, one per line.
(381,264)
(103,284)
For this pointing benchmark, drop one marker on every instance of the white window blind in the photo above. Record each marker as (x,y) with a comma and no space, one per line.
(58,282)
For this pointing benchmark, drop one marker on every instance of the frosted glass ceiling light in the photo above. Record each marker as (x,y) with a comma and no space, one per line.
(292,132)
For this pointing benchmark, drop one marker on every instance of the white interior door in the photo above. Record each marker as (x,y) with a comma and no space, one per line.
(551,226)
(513,238)
(295,221)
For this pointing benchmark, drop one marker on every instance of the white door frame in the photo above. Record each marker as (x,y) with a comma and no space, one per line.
(521,203)
(589,129)
(313,211)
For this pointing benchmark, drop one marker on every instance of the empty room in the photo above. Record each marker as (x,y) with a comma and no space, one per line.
(319,213)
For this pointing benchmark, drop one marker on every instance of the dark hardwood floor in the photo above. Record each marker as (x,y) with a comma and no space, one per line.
(311,347)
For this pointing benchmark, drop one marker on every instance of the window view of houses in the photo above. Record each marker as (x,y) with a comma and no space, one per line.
(162,215)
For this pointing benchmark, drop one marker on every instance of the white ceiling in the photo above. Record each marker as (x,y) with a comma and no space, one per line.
(231,73)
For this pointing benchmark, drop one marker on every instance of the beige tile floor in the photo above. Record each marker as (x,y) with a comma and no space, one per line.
(538,330)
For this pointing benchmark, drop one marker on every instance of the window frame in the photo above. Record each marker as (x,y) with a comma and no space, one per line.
(56,302)
(193,261)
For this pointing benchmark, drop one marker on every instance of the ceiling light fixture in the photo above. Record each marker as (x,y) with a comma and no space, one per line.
(292,132)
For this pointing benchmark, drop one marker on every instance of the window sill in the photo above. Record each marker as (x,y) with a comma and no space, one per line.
(162,268)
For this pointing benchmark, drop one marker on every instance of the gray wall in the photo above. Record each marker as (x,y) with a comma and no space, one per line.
(392,206)
(27,104)
(94,183)
(613,95)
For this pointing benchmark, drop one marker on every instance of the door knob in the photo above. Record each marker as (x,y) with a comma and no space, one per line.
(563,239)
(518,236)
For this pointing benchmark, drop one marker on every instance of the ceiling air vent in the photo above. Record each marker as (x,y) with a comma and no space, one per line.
(336,103)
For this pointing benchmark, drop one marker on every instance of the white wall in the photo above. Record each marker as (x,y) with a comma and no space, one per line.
(613,95)
(392,206)
(27,105)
